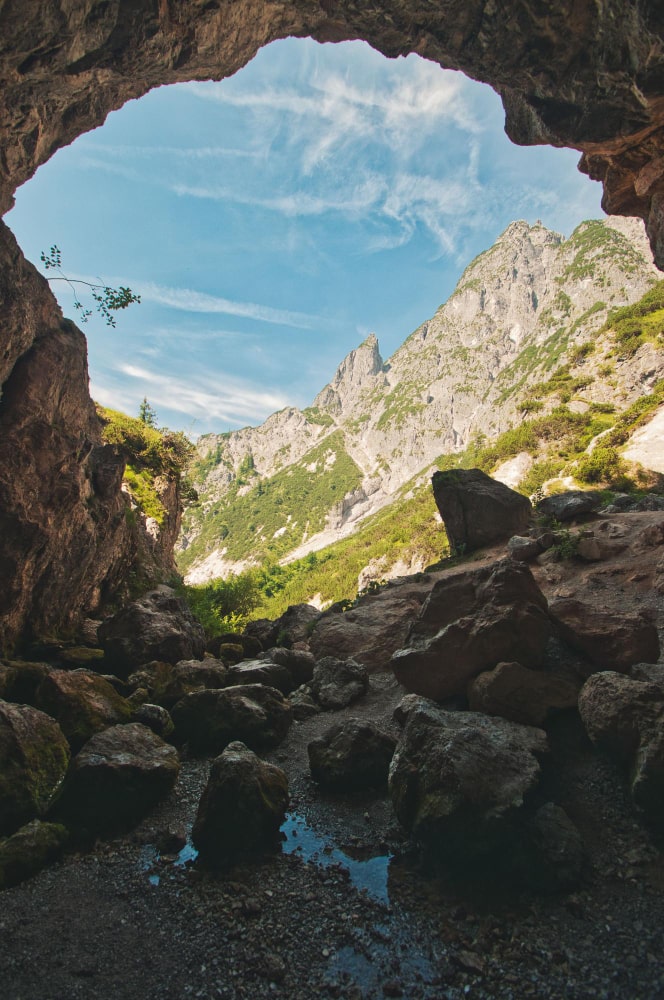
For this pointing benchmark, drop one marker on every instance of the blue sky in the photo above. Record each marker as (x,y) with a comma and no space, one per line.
(273,220)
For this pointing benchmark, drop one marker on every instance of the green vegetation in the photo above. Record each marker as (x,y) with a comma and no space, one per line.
(399,404)
(224,605)
(406,528)
(149,454)
(637,324)
(273,516)
(107,300)
(315,415)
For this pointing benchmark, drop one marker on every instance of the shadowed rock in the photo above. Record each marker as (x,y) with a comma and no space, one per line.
(458,780)
(159,626)
(611,640)
(471,621)
(82,702)
(29,850)
(242,807)
(117,777)
(338,683)
(34,755)
(353,754)
(209,720)
(625,717)
(478,510)
(522,695)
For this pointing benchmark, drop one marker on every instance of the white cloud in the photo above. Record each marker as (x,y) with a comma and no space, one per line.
(188,300)
(228,399)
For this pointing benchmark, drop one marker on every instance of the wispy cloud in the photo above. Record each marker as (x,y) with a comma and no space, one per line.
(230,400)
(189,300)
(169,152)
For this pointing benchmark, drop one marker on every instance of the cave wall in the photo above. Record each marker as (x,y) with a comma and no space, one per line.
(588,74)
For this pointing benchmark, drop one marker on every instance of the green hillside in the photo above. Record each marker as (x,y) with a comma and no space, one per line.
(265,518)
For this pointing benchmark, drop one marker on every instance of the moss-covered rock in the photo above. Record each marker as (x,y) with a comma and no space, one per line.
(83,703)
(29,850)
(33,761)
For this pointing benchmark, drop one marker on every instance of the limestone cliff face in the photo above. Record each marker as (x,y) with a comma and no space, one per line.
(518,311)
(581,74)
(68,540)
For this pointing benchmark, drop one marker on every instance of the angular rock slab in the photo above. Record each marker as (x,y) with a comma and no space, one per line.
(625,717)
(610,640)
(82,702)
(338,683)
(353,754)
(159,626)
(478,510)
(242,807)
(34,755)
(458,780)
(521,695)
(117,777)
(473,620)
(378,625)
(251,713)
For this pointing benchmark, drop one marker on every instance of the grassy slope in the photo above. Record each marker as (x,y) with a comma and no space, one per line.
(246,523)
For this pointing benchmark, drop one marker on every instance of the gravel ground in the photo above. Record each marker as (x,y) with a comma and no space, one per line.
(129,920)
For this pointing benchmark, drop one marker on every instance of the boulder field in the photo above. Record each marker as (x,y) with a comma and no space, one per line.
(533,770)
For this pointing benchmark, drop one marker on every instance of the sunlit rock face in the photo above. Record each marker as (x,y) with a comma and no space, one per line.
(571,73)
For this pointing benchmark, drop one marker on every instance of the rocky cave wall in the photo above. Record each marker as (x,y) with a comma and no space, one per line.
(588,74)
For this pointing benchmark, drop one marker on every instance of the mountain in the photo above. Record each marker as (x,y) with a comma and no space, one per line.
(523,314)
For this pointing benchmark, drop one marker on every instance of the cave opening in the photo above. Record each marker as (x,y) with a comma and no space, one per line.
(321,193)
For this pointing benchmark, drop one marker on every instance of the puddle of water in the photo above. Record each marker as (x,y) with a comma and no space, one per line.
(369,874)
(150,857)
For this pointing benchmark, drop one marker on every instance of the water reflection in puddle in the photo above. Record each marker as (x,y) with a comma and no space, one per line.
(150,857)
(369,874)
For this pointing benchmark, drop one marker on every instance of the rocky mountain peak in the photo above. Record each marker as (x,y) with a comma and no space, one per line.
(358,368)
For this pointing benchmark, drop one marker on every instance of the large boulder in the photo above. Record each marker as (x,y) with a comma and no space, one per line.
(611,640)
(478,510)
(522,695)
(169,686)
(353,754)
(209,720)
(338,683)
(82,702)
(459,780)
(242,807)
(158,626)
(375,626)
(34,755)
(117,777)
(471,621)
(29,850)
(625,717)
